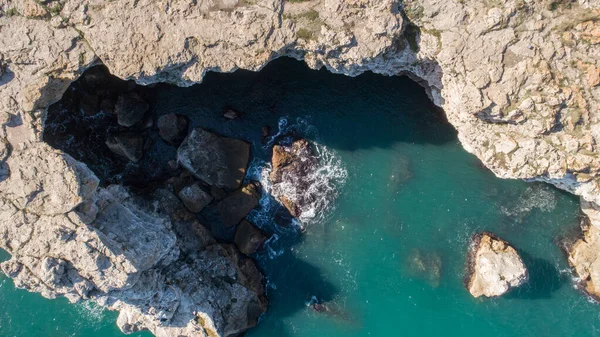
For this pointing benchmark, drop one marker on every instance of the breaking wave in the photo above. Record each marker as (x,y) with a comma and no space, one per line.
(324,183)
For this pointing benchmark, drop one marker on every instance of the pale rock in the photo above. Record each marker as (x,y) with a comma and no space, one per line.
(494,266)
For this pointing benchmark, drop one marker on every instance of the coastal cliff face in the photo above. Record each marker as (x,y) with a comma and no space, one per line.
(519,80)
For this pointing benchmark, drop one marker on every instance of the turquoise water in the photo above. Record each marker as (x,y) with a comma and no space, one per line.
(406,189)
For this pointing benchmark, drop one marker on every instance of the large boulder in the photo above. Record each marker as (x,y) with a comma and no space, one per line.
(294,168)
(249,238)
(238,204)
(130,109)
(172,128)
(194,197)
(129,145)
(494,267)
(218,161)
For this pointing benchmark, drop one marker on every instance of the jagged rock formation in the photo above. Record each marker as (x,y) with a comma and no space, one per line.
(494,267)
(294,167)
(583,254)
(518,79)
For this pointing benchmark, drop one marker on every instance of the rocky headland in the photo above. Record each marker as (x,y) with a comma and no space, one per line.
(519,80)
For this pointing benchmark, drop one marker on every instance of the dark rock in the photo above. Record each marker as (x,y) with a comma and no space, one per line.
(176,184)
(249,238)
(239,203)
(265,131)
(194,197)
(130,109)
(216,160)
(293,165)
(107,105)
(128,144)
(173,128)
(89,105)
(217,193)
(192,236)
(173,165)
(231,114)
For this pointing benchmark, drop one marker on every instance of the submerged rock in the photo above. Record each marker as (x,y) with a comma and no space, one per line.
(239,203)
(218,161)
(293,173)
(494,267)
(127,144)
(249,238)
(130,109)
(172,128)
(424,265)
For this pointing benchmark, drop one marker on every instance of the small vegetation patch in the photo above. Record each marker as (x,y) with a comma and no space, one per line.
(311,15)
(11,12)
(305,34)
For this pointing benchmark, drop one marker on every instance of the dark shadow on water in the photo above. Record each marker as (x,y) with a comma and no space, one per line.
(348,113)
(544,279)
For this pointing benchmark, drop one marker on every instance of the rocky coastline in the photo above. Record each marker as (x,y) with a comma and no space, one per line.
(520,81)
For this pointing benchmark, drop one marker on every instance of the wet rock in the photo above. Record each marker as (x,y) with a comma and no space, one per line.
(194,197)
(239,203)
(231,114)
(130,109)
(426,266)
(173,128)
(494,267)
(217,193)
(218,161)
(249,238)
(293,171)
(129,145)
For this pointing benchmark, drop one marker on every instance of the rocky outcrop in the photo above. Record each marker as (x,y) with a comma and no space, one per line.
(584,254)
(216,160)
(249,238)
(292,176)
(494,267)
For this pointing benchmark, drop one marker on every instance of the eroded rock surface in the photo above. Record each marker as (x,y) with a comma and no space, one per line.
(518,80)
(293,175)
(494,266)
(584,254)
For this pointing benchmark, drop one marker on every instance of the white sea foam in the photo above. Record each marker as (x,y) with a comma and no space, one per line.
(324,184)
(535,196)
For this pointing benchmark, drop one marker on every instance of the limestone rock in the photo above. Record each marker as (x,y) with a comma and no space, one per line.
(130,109)
(173,128)
(129,145)
(249,238)
(583,257)
(494,266)
(238,204)
(216,160)
(194,197)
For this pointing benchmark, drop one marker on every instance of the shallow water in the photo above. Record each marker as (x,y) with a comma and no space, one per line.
(387,256)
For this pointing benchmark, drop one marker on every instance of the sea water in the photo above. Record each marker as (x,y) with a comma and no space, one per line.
(385,247)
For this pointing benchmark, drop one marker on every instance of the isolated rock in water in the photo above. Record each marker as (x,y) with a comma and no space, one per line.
(130,109)
(128,144)
(249,238)
(293,174)
(239,203)
(216,160)
(194,197)
(173,128)
(584,254)
(494,266)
